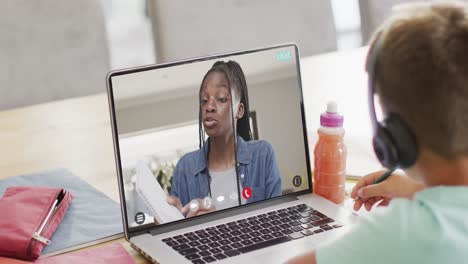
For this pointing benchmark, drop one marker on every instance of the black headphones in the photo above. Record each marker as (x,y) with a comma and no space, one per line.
(394,143)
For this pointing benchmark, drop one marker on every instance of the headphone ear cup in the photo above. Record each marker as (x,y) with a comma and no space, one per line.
(403,140)
(384,148)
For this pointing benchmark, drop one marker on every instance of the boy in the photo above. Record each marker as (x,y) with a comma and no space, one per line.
(423,77)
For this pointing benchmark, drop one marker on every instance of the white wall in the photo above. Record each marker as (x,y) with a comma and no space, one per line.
(278,110)
(159,115)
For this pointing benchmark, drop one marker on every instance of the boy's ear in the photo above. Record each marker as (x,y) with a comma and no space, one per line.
(240,111)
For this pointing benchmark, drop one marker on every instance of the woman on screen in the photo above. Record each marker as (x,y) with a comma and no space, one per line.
(229,167)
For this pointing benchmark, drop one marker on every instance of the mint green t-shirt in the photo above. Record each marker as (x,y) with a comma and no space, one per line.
(433,228)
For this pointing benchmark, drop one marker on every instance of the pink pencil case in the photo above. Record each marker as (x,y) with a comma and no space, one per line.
(30,216)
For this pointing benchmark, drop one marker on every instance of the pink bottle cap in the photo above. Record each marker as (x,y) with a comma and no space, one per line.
(331,118)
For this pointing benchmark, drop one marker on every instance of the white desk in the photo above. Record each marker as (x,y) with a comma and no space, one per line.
(75,134)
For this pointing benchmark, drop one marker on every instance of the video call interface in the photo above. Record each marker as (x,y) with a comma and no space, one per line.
(209,135)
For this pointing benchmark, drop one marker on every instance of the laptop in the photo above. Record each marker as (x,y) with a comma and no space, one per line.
(225,138)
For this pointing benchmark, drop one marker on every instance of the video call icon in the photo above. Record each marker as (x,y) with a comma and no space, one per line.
(140,218)
(297,181)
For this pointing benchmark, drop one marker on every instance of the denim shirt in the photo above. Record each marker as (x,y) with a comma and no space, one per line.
(256,165)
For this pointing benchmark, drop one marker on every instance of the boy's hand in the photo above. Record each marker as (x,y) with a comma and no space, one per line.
(308,258)
(396,186)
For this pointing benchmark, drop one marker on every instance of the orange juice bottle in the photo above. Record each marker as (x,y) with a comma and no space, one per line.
(330,156)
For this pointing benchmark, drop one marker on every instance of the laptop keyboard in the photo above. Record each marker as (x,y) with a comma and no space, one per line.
(256,232)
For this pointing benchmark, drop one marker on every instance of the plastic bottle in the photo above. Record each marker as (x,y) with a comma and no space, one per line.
(330,156)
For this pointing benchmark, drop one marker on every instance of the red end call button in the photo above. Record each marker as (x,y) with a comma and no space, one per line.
(246,193)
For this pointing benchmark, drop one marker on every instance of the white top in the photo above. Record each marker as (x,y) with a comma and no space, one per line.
(224,192)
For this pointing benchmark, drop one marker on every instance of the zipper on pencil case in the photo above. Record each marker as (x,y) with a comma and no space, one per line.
(37,235)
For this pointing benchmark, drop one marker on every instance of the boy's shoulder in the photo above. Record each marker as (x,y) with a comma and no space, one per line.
(404,231)
(430,212)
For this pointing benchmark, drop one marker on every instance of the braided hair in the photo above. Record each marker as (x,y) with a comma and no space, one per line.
(237,83)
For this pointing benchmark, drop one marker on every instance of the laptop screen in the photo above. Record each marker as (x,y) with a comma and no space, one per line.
(211,134)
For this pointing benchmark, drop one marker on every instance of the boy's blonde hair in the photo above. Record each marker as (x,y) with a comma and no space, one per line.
(423,73)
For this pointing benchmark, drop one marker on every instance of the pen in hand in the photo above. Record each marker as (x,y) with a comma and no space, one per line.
(380,179)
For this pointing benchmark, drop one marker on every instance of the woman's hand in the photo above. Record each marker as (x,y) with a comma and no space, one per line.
(396,186)
(193,208)
(172,200)
(198,207)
